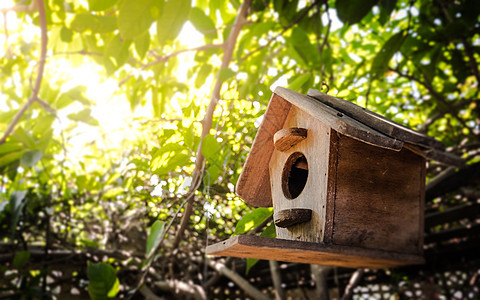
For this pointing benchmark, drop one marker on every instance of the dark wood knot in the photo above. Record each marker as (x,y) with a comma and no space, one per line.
(292,216)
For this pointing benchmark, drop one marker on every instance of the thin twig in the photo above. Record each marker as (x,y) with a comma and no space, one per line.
(46,106)
(41,68)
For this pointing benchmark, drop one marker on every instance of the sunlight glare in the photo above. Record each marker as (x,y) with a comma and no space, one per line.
(6,4)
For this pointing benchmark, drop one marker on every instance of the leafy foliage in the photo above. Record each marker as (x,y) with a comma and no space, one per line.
(117,139)
(103,282)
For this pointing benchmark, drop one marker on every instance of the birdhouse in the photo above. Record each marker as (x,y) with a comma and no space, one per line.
(347,185)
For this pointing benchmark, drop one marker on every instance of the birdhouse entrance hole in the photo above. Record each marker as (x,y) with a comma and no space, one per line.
(294,175)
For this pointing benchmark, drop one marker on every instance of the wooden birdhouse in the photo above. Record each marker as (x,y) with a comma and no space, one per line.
(347,186)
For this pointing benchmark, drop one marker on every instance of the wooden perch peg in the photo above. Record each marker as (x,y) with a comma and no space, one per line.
(293,216)
(286,138)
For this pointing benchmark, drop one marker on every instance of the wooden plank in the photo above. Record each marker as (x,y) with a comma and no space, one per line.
(379,198)
(377,121)
(250,246)
(338,121)
(315,149)
(331,186)
(253,185)
(286,138)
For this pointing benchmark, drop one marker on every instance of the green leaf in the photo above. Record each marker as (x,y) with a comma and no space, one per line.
(170,22)
(226,73)
(94,23)
(16,206)
(307,54)
(118,49)
(20,259)
(202,75)
(168,158)
(211,147)
(250,263)
(136,16)
(77,94)
(253,219)
(113,192)
(84,116)
(203,23)
(154,238)
(435,55)
(10,157)
(269,231)
(10,147)
(189,136)
(298,81)
(142,43)
(42,125)
(352,12)
(158,102)
(381,60)
(386,9)
(66,34)
(102,281)
(99,5)
(24,137)
(30,158)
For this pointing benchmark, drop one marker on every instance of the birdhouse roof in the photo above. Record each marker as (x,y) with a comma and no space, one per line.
(343,116)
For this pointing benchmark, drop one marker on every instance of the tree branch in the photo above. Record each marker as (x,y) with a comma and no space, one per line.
(239,280)
(41,67)
(277,280)
(319,274)
(181,287)
(197,175)
(354,280)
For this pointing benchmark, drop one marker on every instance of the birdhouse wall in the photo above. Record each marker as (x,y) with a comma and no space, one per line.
(315,148)
(376,197)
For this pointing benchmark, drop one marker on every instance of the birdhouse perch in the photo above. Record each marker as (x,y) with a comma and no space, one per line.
(347,185)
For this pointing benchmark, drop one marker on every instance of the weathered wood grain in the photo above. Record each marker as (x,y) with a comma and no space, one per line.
(253,185)
(293,216)
(286,138)
(419,143)
(338,121)
(379,198)
(331,186)
(377,121)
(315,149)
(310,253)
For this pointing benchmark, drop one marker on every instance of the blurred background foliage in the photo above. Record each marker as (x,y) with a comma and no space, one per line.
(146,111)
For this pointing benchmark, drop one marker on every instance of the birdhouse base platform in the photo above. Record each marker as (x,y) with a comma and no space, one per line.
(250,246)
